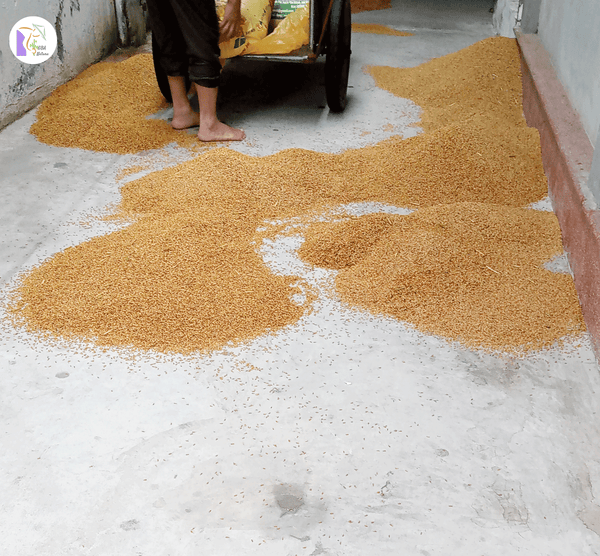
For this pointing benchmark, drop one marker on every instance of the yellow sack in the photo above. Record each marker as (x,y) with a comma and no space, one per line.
(292,33)
(255,25)
(283,8)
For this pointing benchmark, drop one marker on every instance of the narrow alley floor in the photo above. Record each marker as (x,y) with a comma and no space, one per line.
(344,434)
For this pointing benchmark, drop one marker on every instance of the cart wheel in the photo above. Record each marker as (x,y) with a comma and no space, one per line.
(161,76)
(337,62)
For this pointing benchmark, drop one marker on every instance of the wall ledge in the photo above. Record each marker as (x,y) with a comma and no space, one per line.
(567,157)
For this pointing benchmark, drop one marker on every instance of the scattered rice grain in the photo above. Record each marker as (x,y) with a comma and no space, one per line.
(186,275)
(374,29)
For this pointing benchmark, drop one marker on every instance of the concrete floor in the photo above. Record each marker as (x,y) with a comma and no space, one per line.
(345,434)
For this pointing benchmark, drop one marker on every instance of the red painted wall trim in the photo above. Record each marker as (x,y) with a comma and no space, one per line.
(567,157)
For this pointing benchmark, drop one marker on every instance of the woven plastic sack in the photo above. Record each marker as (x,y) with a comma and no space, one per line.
(255,24)
(283,8)
(292,33)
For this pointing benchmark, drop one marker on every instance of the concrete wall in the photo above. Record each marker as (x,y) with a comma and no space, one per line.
(504,20)
(594,182)
(87,30)
(530,16)
(569,30)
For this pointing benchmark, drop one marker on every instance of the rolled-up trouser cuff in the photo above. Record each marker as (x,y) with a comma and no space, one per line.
(173,67)
(209,82)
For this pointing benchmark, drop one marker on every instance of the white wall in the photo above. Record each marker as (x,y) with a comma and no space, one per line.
(87,31)
(594,181)
(570,32)
(504,19)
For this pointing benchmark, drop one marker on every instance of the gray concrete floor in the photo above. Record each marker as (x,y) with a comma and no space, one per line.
(345,434)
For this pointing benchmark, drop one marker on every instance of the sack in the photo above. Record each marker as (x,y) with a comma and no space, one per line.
(283,8)
(292,33)
(256,15)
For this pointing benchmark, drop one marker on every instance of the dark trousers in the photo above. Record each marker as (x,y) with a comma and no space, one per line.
(187,33)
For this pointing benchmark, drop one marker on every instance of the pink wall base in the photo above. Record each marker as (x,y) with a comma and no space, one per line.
(567,157)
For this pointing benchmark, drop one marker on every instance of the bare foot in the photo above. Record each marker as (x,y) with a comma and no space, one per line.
(220,132)
(185,119)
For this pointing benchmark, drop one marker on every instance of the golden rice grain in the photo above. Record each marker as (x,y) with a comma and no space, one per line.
(470,272)
(124,172)
(106,109)
(186,275)
(369,5)
(180,283)
(443,167)
(374,29)
(482,80)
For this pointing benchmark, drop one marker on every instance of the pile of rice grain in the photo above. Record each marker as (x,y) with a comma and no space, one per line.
(482,80)
(176,284)
(179,279)
(470,272)
(106,109)
(443,167)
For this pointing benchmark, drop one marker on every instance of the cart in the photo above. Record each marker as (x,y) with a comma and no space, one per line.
(330,33)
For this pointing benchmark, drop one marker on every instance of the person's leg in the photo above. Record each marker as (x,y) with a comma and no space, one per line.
(173,59)
(197,20)
(211,129)
(183,114)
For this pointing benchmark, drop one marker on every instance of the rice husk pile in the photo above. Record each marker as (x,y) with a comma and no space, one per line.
(106,108)
(374,29)
(470,272)
(208,286)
